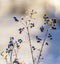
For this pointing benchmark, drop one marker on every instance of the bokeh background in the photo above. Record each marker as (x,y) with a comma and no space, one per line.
(8,28)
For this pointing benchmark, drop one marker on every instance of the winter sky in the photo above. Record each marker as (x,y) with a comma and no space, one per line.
(8,28)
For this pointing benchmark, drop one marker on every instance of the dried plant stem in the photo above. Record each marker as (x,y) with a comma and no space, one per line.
(42,47)
(11,57)
(30,43)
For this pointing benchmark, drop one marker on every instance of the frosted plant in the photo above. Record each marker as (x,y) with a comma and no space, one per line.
(14,46)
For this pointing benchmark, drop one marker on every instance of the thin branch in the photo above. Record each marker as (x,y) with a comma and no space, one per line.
(30,43)
(11,57)
(42,47)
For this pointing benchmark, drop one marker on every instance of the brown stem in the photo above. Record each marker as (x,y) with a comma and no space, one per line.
(42,48)
(30,43)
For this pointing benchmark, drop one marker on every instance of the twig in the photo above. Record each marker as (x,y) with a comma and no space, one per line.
(11,57)
(42,47)
(30,43)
